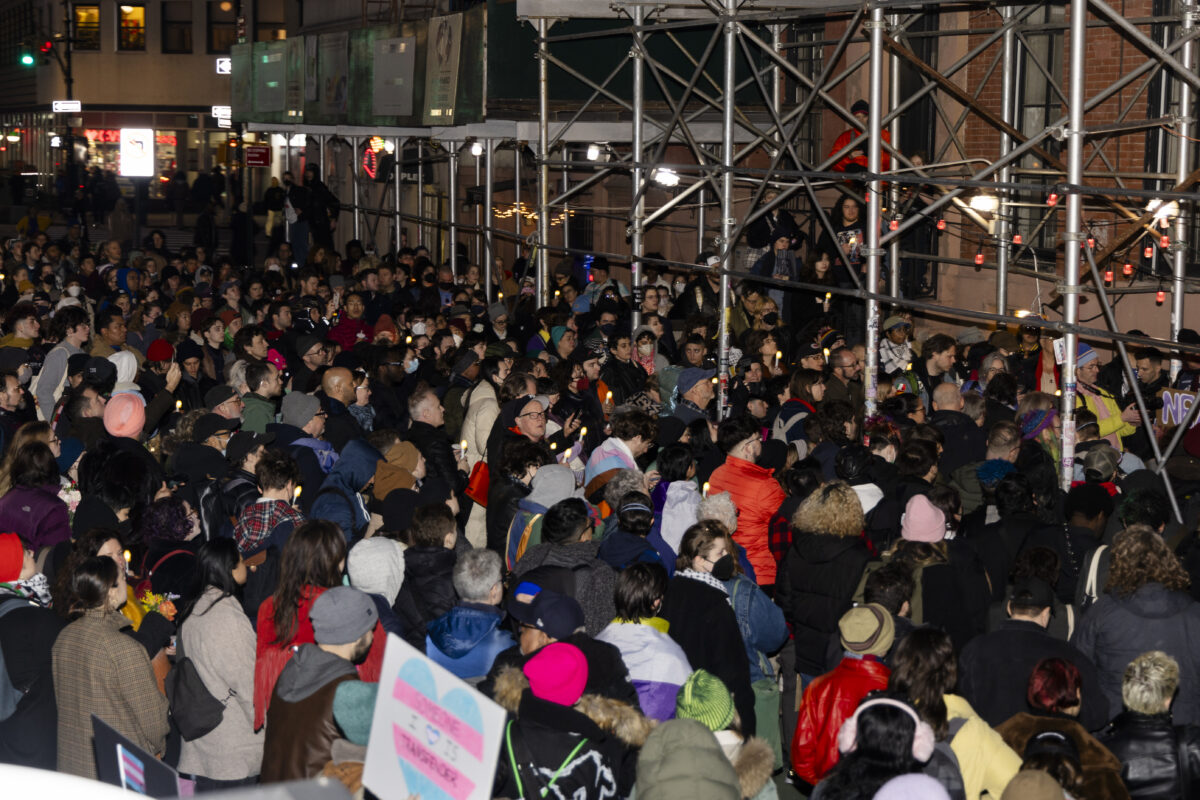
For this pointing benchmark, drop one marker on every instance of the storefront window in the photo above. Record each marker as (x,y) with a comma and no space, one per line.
(131,27)
(177,26)
(87,27)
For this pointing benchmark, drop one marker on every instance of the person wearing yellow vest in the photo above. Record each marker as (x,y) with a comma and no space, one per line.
(1115,422)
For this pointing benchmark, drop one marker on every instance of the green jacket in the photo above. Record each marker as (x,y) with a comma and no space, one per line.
(259,413)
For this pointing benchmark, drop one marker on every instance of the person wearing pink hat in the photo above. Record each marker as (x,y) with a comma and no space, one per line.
(561,742)
(125,416)
(922,521)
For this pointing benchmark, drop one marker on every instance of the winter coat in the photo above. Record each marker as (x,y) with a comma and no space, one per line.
(965,441)
(36,514)
(986,762)
(218,639)
(27,635)
(427,592)
(1072,543)
(545,734)
(1148,747)
(467,639)
(703,623)
(1117,629)
(657,665)
(761,622)
(1101,769)
(621,548)
(341,427)
(434,444)
(815,587)
(757,496)
(300,726)
(349,332)
(681,761)
(676,504)
(829,701)
(994,670)
(99,670)
(999,544)
(612,453)
(624,378)
(593,580)
(339,499)
(258,414)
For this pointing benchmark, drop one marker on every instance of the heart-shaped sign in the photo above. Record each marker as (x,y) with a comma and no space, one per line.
(454,716)
(432,734)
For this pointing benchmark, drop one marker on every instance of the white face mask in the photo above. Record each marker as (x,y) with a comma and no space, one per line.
(74,291)
(418,329)
(679,287)
(458,340)
(645,349)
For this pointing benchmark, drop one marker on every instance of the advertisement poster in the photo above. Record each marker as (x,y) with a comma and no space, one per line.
(432,734)
(392,91)
(333,65)
(441,69)
(137,152)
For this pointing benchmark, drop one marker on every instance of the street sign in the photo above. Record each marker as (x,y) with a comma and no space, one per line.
(66,106)
(258,155)
(225,66)
(222,112)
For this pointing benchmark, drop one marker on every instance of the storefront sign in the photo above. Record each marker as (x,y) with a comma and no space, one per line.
(258,155)
(137,152)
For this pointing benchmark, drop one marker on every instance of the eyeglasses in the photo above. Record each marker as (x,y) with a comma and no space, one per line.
(533,415)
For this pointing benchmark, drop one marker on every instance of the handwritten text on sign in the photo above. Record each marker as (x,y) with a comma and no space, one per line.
(432,735)
(1175,408)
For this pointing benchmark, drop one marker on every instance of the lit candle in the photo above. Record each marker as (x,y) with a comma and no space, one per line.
(296,494)
(826,352)
(178,405)
(778,356)
(567,455)
(829,295)
(583,431)
(500,295)
(553,445)
(705,489)
(128,557)
(408,340)
(608,397)
(464,445)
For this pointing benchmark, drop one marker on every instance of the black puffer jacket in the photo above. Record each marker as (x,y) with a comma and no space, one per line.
(814,587)
(1149,747)
(427,592)
(965,441)
(434,444)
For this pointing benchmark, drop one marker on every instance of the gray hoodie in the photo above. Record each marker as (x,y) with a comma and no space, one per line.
(309,670)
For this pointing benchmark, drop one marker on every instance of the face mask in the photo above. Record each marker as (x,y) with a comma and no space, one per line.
(679,287)
(770,318)
(411,366)
(722,568)
(608,328)
(458,340)
(478,310)
(645,349)
(74,291)
(418,329)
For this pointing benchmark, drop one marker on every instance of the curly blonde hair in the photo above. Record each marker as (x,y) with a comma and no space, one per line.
(1140,556)
(833,509)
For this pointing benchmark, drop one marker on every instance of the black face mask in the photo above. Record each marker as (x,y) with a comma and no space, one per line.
(608,328)
(722,568)
(770,318)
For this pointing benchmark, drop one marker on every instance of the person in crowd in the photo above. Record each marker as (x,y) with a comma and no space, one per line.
(376,566)
(216,636)
(468,637)
(99,670)
(32,508)
(656,663)
(883,740)
(627,543)
(428,590)
(340,498)
(301,731)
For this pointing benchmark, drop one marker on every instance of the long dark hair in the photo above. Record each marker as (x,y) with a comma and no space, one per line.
(883,751)
(91,582)
(312,556)
(83,548)
(215,563)
(924,669)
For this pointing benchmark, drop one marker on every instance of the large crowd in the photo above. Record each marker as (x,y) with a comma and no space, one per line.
(222,488)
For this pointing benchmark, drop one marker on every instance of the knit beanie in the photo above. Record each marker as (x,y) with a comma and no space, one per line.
(1085,355)
(557,674)
(397,471)
(867,630)
(354,708)
(704,698)
(125,416)
(12,557)
(298,408)
(386,325)
(922,521)
(376,566)
(1032,423)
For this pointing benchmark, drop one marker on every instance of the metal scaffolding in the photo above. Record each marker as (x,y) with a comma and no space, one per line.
(715,114)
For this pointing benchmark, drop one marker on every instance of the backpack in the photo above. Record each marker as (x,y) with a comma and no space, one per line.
(10,695)
(943,766)
(782,430)
(1091,587)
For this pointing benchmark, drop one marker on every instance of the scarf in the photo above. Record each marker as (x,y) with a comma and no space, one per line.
(35,588)
(705,577)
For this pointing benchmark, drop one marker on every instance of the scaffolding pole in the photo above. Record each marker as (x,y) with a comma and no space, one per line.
(894,188)
(489,249)
(420,191)
(543,184)
(872,251)
(727,218)
(452,192)
(1179,244)
(1073,237)
(1004,210)
(398,149)
(354,141)
(638,176)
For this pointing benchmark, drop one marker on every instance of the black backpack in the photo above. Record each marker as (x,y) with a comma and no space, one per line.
(10,695)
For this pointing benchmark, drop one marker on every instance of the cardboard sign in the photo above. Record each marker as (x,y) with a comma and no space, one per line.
(1175,408)
(432,735)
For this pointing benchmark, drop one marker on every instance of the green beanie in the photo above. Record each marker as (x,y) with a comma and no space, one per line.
(704,698)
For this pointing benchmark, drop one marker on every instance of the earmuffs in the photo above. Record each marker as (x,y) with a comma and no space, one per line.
(923,739)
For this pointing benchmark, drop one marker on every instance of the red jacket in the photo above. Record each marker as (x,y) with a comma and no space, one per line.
(829,701)
(847,136)
(757,496)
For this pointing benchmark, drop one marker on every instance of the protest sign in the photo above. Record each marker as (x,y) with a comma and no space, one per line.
(1175,406)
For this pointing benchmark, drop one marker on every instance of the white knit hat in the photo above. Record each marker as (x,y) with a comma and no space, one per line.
(376,566)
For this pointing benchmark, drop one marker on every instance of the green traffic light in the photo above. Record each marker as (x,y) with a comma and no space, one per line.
(27,59)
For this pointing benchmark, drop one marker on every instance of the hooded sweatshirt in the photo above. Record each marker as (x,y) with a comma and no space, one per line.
(467,639)
(340,499)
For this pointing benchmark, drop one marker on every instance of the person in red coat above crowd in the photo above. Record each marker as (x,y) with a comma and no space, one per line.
(866,634)
(856,159)
(755,492)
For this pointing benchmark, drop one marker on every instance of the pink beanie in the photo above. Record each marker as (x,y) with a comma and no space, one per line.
(557,673)
(125,416)
(922,521)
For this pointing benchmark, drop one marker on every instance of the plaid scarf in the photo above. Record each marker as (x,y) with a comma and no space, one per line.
(259,519)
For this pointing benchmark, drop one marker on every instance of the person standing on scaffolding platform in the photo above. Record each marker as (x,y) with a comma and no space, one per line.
(856,159)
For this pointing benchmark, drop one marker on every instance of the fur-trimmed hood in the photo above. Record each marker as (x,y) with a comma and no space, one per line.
(752,759)
(615,718)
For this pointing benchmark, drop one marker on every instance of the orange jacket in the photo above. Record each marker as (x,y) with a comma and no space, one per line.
(847,136)
(829,701)
(757,496)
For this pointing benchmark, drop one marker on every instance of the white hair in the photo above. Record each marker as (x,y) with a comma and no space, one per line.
(721,508)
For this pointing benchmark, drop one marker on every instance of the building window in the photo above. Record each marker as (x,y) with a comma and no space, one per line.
(222,26)
(87,27)
(131,27)
(177,26)
(269,25)
(804,49)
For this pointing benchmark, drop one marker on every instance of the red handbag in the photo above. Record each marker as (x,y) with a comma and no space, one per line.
(478,483)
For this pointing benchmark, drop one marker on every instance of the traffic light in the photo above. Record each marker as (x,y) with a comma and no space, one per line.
(46,47)
(26,55)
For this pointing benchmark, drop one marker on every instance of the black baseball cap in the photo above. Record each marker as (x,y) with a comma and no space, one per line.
(210,425)
(1032,592)
(243,443)
(219,394)
(557,615)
